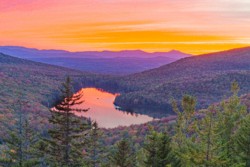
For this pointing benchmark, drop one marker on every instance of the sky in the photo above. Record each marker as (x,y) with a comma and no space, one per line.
(192,26)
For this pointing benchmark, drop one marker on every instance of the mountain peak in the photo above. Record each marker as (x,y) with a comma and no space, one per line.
(175,51)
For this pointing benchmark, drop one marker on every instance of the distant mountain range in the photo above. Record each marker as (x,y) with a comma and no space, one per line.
(104,62)
(207,77)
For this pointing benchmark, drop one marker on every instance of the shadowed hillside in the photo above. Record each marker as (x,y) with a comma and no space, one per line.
(207,77)
(36,83)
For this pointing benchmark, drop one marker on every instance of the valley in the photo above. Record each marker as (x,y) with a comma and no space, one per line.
(207,77)
(124,83)
(143,101)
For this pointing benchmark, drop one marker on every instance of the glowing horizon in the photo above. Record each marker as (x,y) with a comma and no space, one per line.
(196,26)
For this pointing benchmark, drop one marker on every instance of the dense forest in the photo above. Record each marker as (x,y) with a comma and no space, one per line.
(205,123)
(216,136)
(125,83)
(205,77)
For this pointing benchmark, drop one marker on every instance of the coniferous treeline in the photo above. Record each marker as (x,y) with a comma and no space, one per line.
(217,136)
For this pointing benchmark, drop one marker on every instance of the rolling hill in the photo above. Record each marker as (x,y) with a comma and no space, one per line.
(207,77)
(36,83)
(105,62)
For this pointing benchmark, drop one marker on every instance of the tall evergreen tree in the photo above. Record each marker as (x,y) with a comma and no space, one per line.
(207,138)
(68,134)
(95,148)
(229,118)
(243,142)
(184,137)
(123,156)
(151,149)
(158,150)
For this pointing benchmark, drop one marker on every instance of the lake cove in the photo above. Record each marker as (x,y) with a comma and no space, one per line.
(105,112)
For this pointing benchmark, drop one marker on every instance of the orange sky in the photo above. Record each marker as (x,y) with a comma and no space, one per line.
(192,26)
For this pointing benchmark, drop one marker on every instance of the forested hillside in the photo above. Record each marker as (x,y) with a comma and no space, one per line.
(125,83)
(216,136)
(36,83)
(207,77)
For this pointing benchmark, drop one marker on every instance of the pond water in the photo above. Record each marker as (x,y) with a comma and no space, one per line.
(104,112)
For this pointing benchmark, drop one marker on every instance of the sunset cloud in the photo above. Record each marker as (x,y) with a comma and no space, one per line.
(195,26)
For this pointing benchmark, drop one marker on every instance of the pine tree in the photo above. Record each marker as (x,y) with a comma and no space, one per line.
(151,149)
(123,156)
(95,148)
(207,138)
(184,137)
(68,135)
(229,118)
(213,137)
(157,150)
(243,142)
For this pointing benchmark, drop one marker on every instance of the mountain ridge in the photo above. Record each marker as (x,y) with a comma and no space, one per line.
(86,54)
(105,62)
(207,77)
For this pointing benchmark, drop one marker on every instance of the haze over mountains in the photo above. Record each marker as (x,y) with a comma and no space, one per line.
(207,77)
(105,62)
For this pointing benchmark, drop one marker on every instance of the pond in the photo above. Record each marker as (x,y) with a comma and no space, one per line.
(104,112)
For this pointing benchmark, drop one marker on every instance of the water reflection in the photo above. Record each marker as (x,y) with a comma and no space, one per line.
(105,112)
